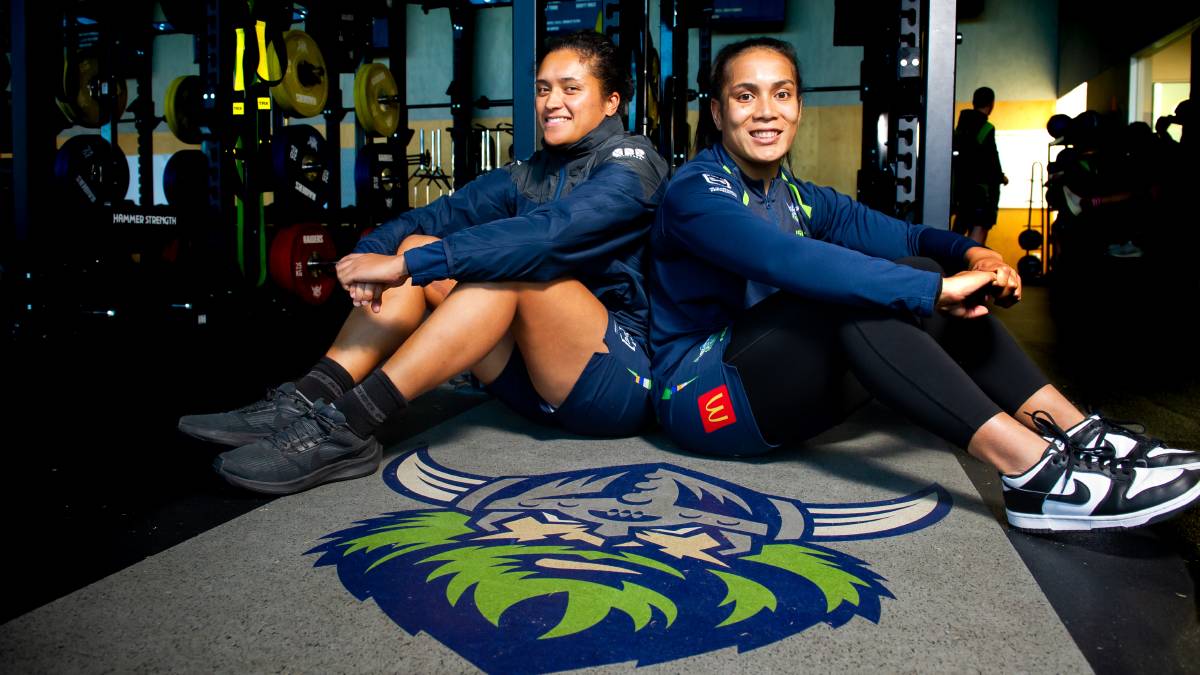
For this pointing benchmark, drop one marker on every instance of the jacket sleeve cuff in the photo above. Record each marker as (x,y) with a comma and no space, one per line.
(427,264)
(943,245)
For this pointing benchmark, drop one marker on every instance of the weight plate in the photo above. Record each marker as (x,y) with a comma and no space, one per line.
(1058,125)
(89,100)
(1029,267)
(1029,239)
(184,108)
(292,251)
(380,179)
(91,172)
(185,179)
(350,34)
(298,164)
(305,85)
(371,82)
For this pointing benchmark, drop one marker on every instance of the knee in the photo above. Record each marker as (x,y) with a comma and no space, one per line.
(924,264)
(415,241)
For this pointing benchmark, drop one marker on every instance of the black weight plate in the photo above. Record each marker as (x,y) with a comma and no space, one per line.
(298,162)
(380,179)
(1029,267)
(185,179)
(1030,239)
(91,172)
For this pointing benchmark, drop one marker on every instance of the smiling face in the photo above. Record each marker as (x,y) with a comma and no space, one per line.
(570,100)
(758,110)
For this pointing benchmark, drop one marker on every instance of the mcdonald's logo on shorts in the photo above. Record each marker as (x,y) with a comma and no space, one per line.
(716,410)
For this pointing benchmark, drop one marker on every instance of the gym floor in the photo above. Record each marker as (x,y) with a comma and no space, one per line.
(102,480)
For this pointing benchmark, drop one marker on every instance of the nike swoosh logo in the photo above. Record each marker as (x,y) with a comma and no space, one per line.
(1079,494)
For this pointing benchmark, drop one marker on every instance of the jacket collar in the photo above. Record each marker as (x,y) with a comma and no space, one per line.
(611,126)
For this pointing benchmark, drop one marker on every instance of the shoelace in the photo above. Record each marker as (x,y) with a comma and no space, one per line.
(311,424)
(268,402)
(1102,457)
(1135,430)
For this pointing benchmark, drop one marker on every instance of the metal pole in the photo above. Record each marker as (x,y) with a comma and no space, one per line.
(524,28)
(937,136)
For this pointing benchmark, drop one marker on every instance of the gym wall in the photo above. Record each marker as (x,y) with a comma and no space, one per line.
(827,147)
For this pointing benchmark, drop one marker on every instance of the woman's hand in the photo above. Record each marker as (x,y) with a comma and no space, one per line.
(365,276)
(964,293)
(1007,289)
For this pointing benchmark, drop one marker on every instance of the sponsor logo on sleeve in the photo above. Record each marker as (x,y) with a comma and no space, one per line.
(633,153)
(719,184)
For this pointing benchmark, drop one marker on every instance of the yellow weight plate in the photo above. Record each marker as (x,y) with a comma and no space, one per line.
(183,108)
(372,82)
(85,93)
(305,86)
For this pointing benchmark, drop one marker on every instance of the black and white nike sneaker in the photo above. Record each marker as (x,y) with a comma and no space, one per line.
(1075,489)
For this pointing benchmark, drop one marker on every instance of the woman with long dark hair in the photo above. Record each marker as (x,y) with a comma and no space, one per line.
(547,309)
(766,291)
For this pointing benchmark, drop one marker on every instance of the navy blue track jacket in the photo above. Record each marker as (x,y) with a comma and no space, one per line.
(719,245)
(580,212)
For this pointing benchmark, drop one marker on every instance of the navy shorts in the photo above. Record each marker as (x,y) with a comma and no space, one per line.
(613,396)
(703,406)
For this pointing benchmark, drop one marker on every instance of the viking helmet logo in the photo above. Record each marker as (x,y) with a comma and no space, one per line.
(647,562)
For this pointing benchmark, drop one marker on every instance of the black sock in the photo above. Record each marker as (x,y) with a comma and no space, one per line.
(327,380)
(370,403)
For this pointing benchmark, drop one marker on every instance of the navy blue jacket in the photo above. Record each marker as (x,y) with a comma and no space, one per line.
(580,212)
(719,245)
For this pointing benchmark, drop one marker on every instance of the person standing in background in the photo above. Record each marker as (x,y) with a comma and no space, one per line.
(977,173)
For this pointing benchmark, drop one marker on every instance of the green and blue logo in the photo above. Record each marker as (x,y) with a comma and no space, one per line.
(645,563)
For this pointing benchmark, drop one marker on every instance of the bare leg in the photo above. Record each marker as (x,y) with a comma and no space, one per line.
(367,338)
(558,325)
(1050,400)
(1007,445)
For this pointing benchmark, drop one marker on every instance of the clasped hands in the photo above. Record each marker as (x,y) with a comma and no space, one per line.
(987,278)
(365,276)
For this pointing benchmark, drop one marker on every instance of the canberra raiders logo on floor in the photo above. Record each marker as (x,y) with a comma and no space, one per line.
(645,563)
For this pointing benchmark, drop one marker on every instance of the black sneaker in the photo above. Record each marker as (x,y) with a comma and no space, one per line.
(317,448)
(1073,489)
(1099,433)
(277,411)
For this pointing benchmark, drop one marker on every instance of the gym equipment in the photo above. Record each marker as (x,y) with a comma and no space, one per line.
(299,167)
(376,100)
(380,177)
(1031,239)
(305,84)
(185,179)
(88,99)
(1029,266)
(184,108)
(302,257)
(91,172)
(1058,125)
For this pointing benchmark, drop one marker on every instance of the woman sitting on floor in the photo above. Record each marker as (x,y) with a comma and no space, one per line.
(548,310)
(765,290)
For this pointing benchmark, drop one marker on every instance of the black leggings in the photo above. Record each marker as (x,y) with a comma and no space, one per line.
(801,362)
